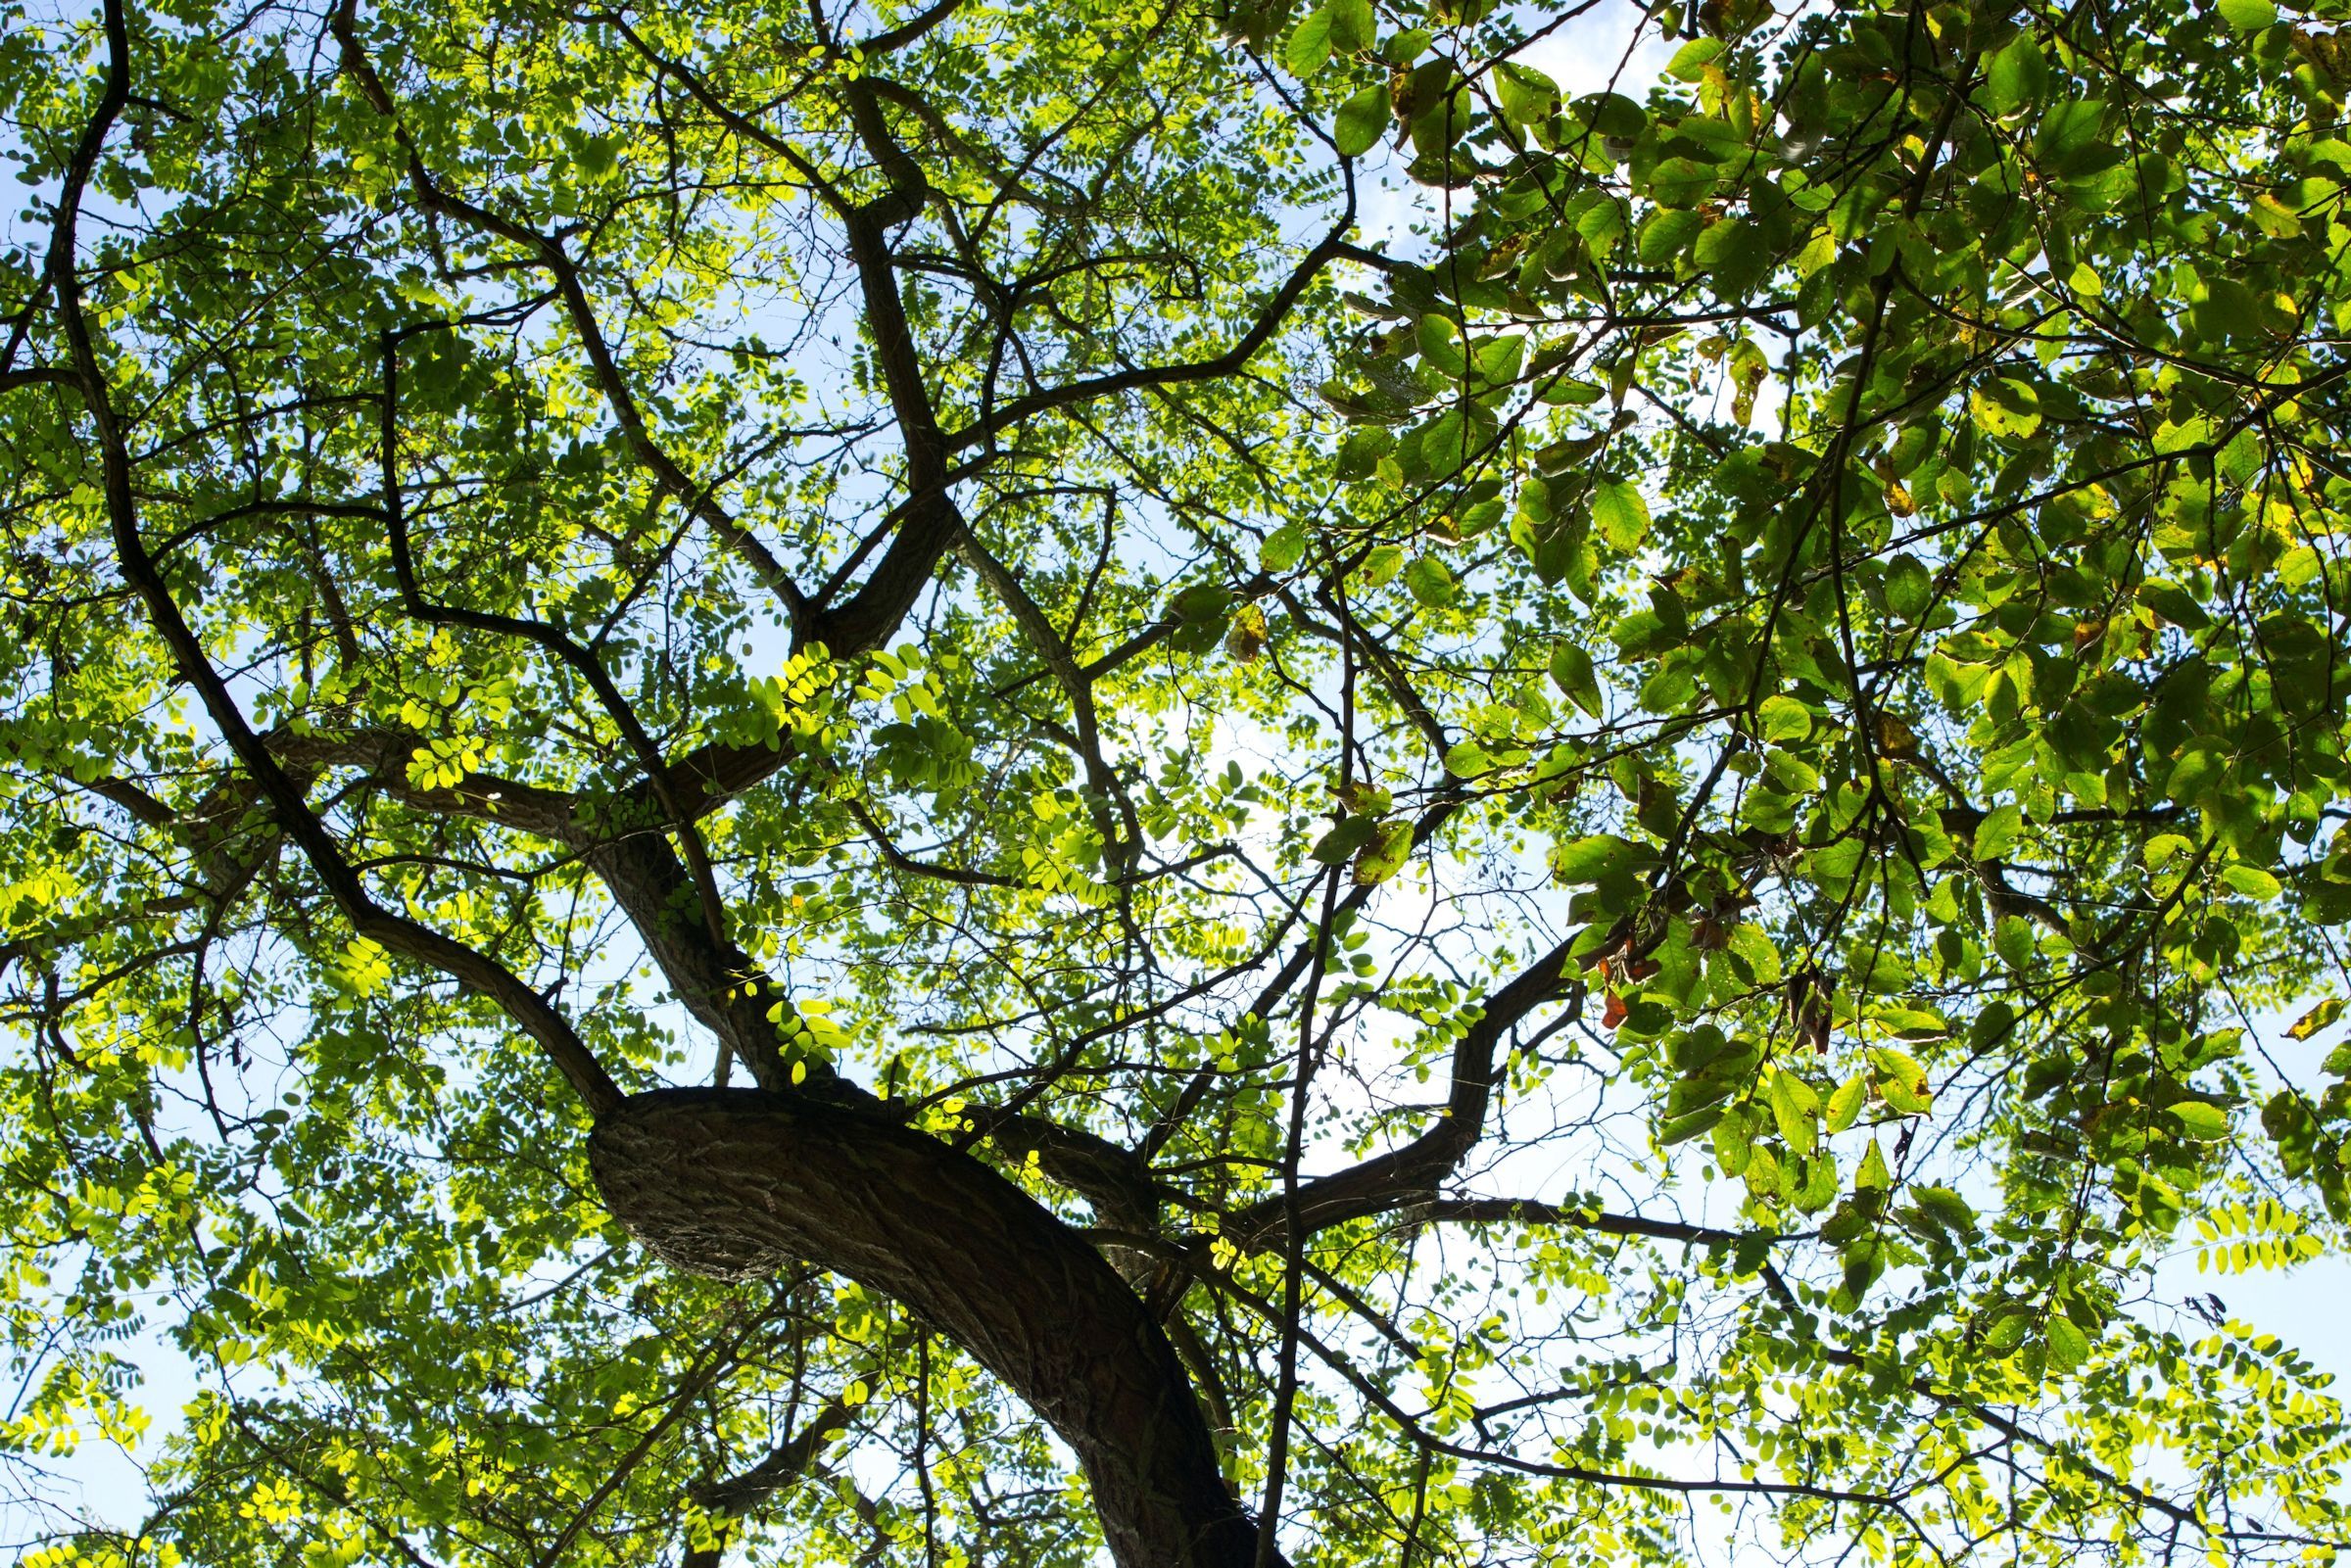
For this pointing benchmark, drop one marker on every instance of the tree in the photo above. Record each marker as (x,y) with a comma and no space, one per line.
(825,783)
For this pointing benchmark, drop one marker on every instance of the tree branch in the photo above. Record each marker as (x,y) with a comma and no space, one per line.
(396,934)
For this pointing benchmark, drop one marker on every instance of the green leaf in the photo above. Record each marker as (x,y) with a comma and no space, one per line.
(2012,938)
(1816,1182)
(2068,1345)
(1666,234)
(1782,718)
(2229,313)
(1440,340)
(1909,588)
(1612,113)
(2067,128)
(1571,669)
(1734,1141)
(1446,443)
(1844,1106)
(1734,252)
(1405,47)
(1794,1107)
(2015,75)
(2251,881)
(1309,48)
(1362,120)
(2006,406)
(2200,1121)
(1283,550)
(1202,601)
(1383,855)
(1596,856)
(1353,26)
(1344,838)
(1526,95)
(2242,460)
(1912,1024)
(1498,358)
(1901,1082)
(2279,223)
(1200,613)
(1947,1209)
(2174,603)
(1999,832)
(1603,224)
(1681,1129)
(2188,434)
(2247,15)
(1466,759)
(1431,583)
(2008,1329)
(1863,1259)
(1621,513)
(2320,1017)
(1682,182)
(1753,946)
(1689,60)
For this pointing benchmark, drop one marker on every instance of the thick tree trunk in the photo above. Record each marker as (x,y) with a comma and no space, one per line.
(739,1183)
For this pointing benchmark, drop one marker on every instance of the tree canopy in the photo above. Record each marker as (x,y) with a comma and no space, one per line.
(1200,779)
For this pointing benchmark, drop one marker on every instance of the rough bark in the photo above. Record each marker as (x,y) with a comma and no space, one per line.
(742,1183)
(720,987)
